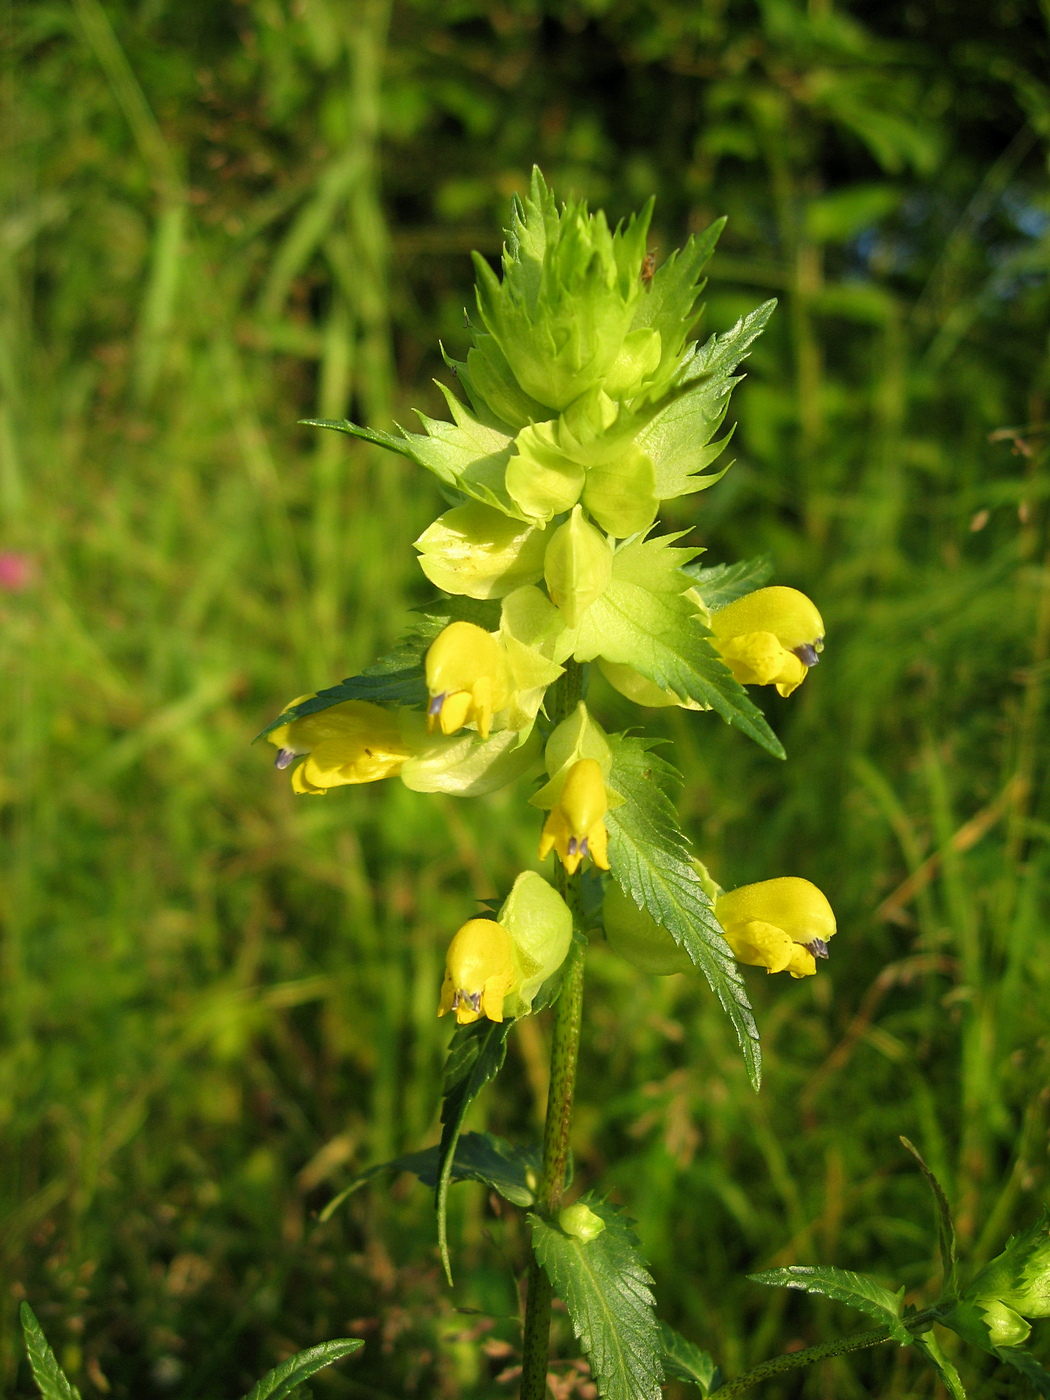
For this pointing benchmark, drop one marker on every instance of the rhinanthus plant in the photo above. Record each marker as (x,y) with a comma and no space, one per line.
(586,406)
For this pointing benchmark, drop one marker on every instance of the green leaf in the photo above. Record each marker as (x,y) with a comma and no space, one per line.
(684,1360)
(927,1345)
(475,1056)
(468,455)
(668,304)
(722,584)
(608,1291)
(945,1227)
(51,1380)
(283,1379)
(855,1290)
(644,620)
(719,356)
(678,440)
(649,857)
(510,1170)
(1028,1366)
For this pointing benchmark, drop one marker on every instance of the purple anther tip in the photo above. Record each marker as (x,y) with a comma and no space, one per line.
(284,758)
(807,654)
(434,708)
(584,850)
(573,845)
(817,947)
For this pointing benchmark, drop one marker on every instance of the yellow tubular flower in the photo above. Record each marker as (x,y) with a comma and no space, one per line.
(479,969)
(576,825)
(769,637)
(354,742)
(467,677)
(782,925)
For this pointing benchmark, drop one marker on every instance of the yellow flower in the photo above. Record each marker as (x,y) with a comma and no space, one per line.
(354,742)
(467,677)
(769,637)
(782,925)
(479,969)
(576,826)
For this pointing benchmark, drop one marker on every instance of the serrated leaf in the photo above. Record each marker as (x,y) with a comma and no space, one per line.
(475,1056)
(720,354)
(649,857)
(51,1380)
(1028,1366)
(678,440)
(644,620)
(722,584)
(928,1346)
(468,455)
(858,1291)
(945,1226)
(608,1291)
(478,1157)
(283,1379)
(685,1360)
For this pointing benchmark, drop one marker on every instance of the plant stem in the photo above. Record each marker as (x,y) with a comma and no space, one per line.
(793,1359)
(568,1015)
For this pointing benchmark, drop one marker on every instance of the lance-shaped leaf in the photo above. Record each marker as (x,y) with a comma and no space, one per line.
(649,857)
(512,1171)
(1028,1366)
(644,620)
(51,1380)
(928,1346)
(283,1379)
(685,1360)
(722,584)
(719,356)
(945,1226)
(466,455)
(607,1289)
(475,1056)
(858,1291)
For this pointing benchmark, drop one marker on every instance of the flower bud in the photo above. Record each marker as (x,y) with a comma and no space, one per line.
(621,494)
(581,1222)
(1019,1277)
(782,925)
(479,968)
(638,938)
(576,825)
(467,679)
(540,927)
(987,1323)
(478,551)
(769,637)
(577,567)
(355,742)
(541,479)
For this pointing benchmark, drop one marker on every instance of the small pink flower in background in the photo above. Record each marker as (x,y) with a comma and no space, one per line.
(16,571)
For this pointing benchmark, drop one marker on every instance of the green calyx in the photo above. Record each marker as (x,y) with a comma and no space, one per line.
(566,303)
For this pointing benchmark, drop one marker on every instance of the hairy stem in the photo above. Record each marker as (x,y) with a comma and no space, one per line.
(568,1015)
(916,1323)
(794,1359)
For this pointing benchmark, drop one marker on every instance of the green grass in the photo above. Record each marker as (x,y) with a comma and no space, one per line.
(217,1001)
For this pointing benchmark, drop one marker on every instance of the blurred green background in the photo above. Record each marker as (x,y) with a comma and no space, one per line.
(219,217)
